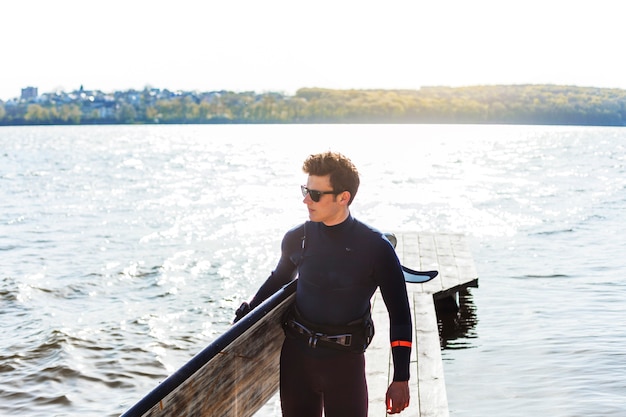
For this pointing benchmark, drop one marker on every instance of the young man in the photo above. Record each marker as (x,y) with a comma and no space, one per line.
(339,262)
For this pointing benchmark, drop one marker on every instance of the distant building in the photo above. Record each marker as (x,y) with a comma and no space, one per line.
(29,93)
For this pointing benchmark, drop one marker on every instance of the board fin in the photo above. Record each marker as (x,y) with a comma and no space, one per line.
(418,277)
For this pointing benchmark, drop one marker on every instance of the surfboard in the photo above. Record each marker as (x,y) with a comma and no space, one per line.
(234,376)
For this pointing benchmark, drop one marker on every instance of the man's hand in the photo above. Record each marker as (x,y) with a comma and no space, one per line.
(397,397)
(241,311)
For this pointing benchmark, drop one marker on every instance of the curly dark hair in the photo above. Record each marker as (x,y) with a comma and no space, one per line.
(343,174)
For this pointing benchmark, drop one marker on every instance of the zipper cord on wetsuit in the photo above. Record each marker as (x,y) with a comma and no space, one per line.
(303,245)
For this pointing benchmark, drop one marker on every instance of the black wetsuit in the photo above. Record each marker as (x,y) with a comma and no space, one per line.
(339,268)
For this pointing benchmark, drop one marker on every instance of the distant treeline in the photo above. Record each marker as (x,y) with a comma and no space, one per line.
(505,104)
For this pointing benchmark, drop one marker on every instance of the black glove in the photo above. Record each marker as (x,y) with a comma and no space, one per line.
(241,311)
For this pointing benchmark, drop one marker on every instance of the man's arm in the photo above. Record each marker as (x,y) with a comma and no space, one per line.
(393,291)
(284,272)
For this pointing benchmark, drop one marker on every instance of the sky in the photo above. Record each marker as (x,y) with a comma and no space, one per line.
(284,45)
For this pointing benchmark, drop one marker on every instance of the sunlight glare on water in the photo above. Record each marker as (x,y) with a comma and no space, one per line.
(124,250)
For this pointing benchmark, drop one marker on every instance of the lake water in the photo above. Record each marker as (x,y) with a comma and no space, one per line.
(124,250)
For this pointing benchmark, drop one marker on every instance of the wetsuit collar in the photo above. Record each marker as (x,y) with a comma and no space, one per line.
(341,226)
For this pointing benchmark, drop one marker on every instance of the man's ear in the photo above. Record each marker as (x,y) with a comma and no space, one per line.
(344,197)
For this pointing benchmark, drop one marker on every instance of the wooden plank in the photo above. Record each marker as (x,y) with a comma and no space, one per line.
(377,358)
(427,251)
(447,264)
(433,400)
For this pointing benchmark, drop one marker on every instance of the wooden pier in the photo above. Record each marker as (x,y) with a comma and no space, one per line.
(450,255)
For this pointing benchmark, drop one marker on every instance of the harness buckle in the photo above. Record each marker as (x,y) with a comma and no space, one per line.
(314,337)
(341,339)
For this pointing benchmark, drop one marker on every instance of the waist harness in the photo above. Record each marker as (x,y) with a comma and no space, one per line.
(352,337)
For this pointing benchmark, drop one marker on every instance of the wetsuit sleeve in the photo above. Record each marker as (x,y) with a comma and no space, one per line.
(286,269)
(393,290)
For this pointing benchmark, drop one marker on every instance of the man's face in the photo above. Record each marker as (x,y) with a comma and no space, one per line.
(331,209)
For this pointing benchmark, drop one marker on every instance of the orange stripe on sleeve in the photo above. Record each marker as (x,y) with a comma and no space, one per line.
(402,343)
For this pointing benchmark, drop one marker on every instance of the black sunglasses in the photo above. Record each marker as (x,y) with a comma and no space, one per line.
(315,195)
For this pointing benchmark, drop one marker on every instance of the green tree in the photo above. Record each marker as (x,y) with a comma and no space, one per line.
(37,114)
(70,113)
(126,113)
(152,114)
(169,110)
